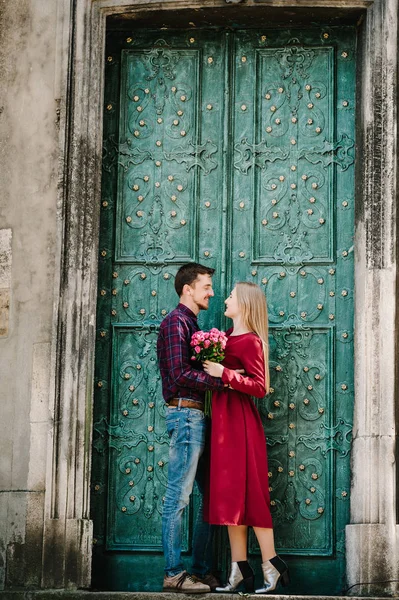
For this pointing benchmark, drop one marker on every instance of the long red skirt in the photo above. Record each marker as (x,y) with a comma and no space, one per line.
(238,490)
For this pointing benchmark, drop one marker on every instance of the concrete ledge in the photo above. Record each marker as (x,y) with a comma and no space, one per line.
(88,595)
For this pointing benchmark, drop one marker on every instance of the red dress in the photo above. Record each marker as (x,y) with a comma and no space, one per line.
(238,490)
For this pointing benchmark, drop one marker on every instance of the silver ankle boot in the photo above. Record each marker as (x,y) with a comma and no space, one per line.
(274,571)
(240,572)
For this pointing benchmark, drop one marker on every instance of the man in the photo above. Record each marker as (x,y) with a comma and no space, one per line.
(183,387)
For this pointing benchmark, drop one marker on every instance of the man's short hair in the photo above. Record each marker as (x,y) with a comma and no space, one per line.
(188,273)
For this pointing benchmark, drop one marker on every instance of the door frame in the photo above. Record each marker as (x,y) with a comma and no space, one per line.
(81,43)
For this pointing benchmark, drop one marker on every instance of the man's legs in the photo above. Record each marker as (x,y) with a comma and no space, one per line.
(186,428)
(203,532)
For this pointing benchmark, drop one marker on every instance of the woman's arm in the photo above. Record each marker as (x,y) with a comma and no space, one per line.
(253,382)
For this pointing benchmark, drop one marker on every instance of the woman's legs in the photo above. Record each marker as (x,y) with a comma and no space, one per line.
(238,542)
(265,539)
(274,569)
(240,571)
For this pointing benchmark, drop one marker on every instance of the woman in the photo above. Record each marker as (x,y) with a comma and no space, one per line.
(238,494)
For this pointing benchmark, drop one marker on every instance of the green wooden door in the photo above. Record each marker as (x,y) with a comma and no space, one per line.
(234,149)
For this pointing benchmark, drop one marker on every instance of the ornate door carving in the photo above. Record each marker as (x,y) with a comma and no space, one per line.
(236,150)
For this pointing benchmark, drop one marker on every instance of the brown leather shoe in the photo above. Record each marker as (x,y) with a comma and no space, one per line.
(185,584)
(208,579)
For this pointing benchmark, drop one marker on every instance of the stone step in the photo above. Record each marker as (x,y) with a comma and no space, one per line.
(92,595)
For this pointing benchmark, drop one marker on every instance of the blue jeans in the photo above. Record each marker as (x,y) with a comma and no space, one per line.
(187,431)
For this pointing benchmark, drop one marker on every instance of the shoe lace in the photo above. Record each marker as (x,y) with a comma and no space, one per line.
(185,576)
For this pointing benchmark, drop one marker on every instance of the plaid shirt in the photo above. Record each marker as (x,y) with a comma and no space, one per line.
(181,376)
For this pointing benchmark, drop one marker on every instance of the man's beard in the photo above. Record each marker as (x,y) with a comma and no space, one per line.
(202,306)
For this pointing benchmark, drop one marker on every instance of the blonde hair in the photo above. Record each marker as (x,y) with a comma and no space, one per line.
(252,302)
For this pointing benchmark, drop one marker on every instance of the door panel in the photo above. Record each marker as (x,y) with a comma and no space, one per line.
(286,164)
(158,120)
(234,149)
(169,179)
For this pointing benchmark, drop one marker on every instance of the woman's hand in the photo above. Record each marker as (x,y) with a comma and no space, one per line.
(213,369)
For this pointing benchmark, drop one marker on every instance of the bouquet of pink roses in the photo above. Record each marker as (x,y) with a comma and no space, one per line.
(208,345)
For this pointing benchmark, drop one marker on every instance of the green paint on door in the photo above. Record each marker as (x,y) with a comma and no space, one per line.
(235,150)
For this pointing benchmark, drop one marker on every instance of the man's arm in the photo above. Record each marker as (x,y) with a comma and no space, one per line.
(178,360)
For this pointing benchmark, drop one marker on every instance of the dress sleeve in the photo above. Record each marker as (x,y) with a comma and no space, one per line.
(253,382)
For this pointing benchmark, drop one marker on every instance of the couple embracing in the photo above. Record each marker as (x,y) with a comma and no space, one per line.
(229,462)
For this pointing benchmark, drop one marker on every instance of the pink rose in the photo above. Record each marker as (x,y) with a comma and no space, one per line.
(197,349)
(206,335)
(207,343)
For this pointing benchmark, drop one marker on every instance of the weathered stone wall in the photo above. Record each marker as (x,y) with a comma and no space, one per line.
(372,537)
(28,198)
